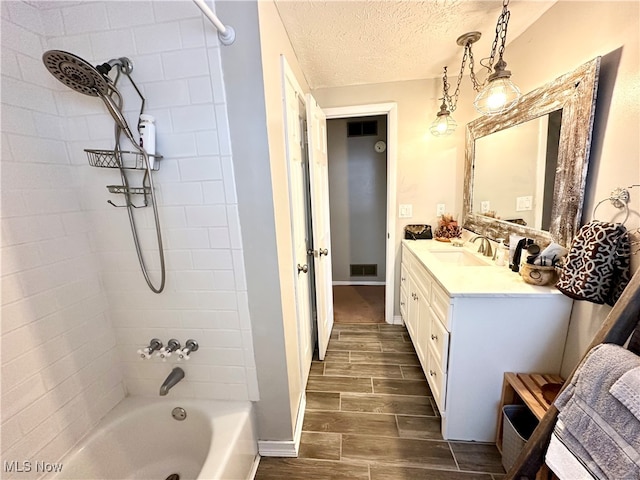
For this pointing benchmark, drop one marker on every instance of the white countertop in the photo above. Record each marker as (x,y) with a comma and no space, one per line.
(472,281)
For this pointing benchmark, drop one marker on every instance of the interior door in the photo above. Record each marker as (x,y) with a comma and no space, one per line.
(319,177)
(298,191)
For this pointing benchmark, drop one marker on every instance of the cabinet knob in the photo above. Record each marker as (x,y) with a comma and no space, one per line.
(402,304)
(303,268)
(324,251)
(402,279)
(434,337)
(432,373)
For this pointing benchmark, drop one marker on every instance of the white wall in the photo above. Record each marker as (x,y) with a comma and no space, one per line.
(60,371)
(69,264)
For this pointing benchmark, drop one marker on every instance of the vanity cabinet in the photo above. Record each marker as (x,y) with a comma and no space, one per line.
(466,340)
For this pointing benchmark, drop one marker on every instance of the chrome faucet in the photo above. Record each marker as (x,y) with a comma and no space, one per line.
(172,379)
(485,245)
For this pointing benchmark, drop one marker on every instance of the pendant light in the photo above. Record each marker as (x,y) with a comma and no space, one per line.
(500,93)
(497,93)
(444,124)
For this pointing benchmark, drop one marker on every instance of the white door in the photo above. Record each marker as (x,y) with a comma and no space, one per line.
(298,181)
(318,172)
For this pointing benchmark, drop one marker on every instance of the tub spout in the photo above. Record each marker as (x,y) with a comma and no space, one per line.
(174,377)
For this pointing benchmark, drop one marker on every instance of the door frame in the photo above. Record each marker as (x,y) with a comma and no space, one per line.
(391,111)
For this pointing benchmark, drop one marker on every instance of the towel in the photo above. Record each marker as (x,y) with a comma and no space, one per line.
(627,391)
(563,463)
(599,430)
(598,263)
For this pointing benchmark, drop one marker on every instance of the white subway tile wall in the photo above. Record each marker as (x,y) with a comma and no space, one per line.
(75,304)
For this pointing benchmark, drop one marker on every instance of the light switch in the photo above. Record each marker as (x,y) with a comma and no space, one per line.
(406,211)
(524,203)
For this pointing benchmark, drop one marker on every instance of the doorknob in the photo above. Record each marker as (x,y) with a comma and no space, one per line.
(303,268)
(324,251)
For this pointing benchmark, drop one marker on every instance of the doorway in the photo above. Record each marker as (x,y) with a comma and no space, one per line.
(370,300)
(357,196)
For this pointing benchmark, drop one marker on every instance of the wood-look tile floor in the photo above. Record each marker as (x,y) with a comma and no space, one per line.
(370,415)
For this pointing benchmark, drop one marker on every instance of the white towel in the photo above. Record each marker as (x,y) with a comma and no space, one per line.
(562,462)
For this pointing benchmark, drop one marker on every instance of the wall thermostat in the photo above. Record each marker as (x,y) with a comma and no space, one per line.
(380,146)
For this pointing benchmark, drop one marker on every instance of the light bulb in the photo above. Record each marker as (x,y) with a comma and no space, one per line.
(498,96)
(443,124)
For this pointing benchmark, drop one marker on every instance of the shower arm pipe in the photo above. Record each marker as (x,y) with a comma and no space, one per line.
(226,33)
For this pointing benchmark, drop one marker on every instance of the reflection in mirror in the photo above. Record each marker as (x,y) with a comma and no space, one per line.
(514,172)
(536,179)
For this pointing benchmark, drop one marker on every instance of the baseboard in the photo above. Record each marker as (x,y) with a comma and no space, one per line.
(397,320)
(285,448)
(337,283)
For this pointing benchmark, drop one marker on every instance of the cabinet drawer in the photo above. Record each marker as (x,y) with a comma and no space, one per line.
(440,304)
(438,382)
(407,258)
(439,343)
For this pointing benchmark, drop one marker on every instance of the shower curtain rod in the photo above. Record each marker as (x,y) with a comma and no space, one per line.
(226,34)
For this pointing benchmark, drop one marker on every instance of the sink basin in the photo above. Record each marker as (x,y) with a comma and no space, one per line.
(459,258)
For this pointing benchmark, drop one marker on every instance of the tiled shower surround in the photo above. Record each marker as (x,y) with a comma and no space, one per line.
(75,305)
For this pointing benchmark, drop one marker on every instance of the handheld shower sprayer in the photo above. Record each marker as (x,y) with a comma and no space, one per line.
(81,76)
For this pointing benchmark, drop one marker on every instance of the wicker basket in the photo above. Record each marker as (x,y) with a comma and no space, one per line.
(538,275)
(517,426)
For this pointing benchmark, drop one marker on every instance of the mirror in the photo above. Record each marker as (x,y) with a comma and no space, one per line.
(525,170)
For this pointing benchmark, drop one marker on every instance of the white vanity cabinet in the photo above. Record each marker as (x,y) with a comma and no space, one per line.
(469,325)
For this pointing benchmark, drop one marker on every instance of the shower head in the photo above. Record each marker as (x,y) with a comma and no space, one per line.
(75,73)
(81,76)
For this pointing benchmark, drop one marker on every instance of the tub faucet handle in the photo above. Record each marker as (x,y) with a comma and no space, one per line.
(146,352)
(190,346)
(172,346)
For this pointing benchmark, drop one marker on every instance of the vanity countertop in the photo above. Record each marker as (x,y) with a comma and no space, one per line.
(472,281)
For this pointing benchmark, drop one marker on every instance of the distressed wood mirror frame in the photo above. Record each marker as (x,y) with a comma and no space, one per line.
(575,94)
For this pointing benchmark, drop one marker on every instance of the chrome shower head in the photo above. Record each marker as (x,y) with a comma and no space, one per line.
(81,76)
(75,73)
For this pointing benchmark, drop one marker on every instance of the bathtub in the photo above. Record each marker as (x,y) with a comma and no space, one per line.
(140,439)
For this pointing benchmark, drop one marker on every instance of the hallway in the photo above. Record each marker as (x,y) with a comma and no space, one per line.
(370,416)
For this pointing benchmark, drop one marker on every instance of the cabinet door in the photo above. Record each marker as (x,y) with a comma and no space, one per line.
(438,382)
(439,342)
(423,322)
(404,292)
(412,310)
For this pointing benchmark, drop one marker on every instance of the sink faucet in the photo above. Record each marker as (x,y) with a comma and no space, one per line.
(172,379)
(485,245)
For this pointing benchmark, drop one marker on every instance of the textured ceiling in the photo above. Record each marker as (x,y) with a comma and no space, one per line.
(342,43)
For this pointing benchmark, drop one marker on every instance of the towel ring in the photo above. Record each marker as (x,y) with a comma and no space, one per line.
(619,198)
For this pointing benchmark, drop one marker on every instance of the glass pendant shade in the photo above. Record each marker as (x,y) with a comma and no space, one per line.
(498,96)
(444,124)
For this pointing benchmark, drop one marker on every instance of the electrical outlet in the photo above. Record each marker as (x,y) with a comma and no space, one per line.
(440,209)
(485,206)
(405,211)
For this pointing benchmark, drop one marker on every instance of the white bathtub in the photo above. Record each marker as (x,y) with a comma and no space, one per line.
(139,439)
